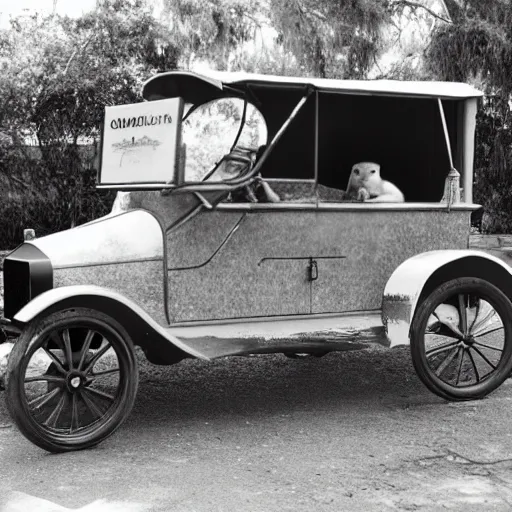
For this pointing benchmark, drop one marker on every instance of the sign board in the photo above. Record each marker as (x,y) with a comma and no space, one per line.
(140,144)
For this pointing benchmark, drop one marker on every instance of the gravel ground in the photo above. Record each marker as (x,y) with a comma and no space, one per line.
(349,431)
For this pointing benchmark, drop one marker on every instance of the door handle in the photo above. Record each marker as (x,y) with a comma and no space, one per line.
(313,270)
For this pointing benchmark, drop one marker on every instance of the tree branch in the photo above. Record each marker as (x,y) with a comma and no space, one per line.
(22,183)
(416,5)
(78,50)
(69,61)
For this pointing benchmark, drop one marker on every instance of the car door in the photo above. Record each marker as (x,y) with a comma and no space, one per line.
(239,262)
(372,241)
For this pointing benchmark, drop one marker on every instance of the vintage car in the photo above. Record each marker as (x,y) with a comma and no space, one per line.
(194,262)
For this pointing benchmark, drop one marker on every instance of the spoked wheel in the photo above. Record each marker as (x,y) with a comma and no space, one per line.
(461,339)
(71,379)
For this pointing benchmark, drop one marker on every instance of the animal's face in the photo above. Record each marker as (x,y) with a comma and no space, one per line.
(365,173)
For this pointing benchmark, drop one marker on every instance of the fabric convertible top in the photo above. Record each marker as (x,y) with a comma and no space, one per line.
(397,124)
(196,88)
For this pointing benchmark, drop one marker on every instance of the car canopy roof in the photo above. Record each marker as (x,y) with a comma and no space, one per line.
(416,130)
(196,88)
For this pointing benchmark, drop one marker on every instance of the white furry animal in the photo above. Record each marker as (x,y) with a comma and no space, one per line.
(365,184)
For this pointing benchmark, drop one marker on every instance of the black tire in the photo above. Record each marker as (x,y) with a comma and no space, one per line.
(81,413)
(459,357)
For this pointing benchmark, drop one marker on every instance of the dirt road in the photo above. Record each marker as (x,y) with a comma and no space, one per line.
(354,431)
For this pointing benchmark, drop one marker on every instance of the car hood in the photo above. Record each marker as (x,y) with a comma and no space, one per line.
(130,236)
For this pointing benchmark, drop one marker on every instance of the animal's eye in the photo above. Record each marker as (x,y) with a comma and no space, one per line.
(356,171)
(372,171)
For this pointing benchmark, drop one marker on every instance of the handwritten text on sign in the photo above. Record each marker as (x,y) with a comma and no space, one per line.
(133,122)
(140,143)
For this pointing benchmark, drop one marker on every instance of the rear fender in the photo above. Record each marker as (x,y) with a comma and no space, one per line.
(158,344)
(418,276)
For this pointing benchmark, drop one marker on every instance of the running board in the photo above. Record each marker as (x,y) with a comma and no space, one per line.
(317,334)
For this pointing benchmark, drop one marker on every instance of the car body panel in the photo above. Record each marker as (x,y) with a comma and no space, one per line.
(71,296)
(123,252)
(354,253)
(315,334)
(139,281)
(320,334)
(130,236)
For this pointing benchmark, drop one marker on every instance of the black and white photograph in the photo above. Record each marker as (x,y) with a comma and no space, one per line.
(255,255)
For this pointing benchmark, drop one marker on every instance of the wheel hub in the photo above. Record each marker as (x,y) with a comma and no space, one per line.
(75,381)
(468,340)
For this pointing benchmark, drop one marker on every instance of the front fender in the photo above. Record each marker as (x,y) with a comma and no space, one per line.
(405,286)
(155,340)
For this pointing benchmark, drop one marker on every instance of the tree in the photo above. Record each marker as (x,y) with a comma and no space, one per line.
(322,37)
(477,47)
(328,38)
(212,30)
(58,74)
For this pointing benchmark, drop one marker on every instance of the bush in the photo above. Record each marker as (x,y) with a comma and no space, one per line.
(48,199)
(493,166)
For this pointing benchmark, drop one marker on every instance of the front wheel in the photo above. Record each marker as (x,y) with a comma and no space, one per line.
(461,339)
(71,379)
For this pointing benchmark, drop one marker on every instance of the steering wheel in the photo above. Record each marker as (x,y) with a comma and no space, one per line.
(239,158)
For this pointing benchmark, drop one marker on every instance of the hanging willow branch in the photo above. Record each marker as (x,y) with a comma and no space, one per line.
(474,48)
(417,5)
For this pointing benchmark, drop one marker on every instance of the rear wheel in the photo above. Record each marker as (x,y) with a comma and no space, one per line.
(71,379)
(461,339)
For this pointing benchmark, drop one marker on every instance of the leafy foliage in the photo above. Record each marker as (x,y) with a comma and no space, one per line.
(309,37)
(493,180)
(477,47)
(58,74)
(211,129)
(212,30)
(329,38)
